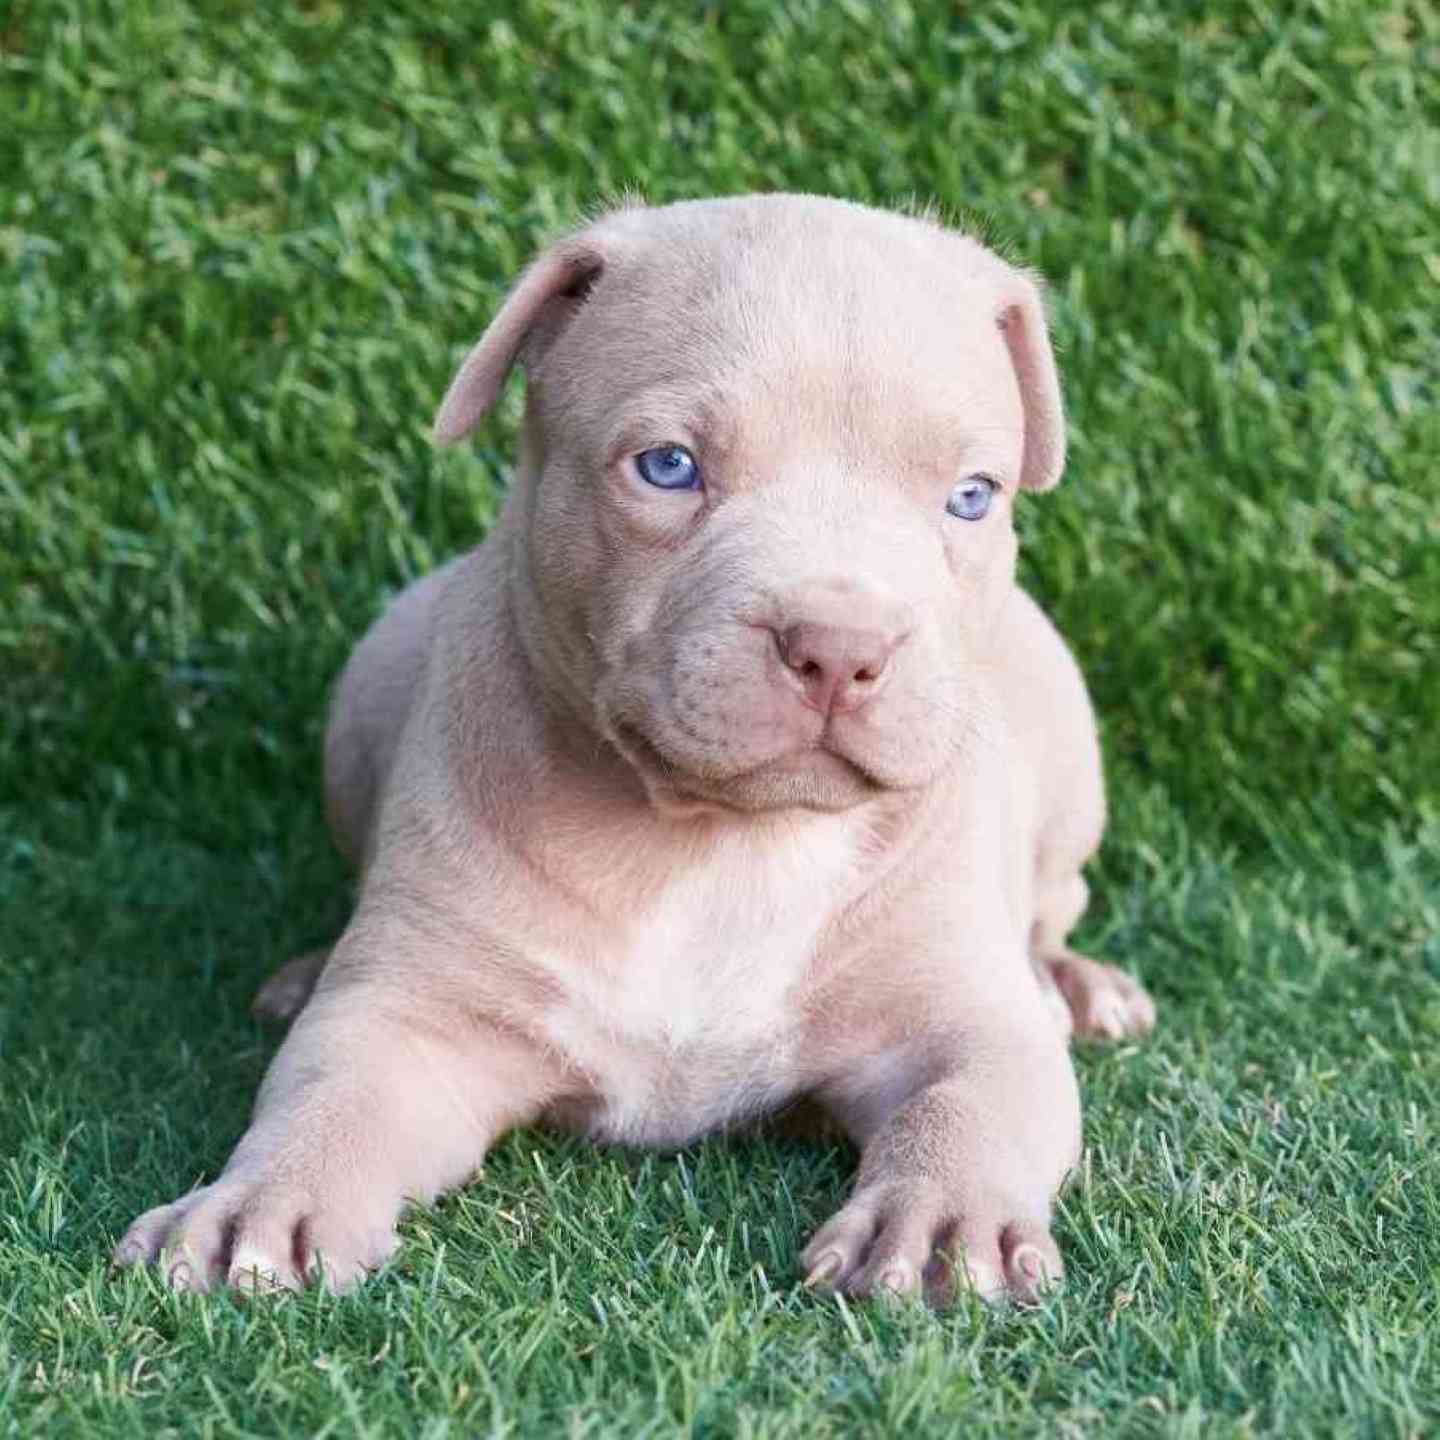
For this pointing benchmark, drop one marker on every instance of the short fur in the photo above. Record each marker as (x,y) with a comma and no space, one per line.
(675,808)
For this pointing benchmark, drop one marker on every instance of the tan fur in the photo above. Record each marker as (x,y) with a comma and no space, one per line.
(678,809)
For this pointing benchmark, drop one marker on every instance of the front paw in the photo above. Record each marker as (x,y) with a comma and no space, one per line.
(256,1235)
(910,1238)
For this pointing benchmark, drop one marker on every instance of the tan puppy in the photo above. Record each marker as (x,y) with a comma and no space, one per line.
(732,769)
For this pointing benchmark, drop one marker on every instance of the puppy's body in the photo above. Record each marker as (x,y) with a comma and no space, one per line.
(686,967)
(675,807)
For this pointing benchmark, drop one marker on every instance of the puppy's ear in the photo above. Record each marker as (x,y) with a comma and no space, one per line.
(1022,320)
(545,296)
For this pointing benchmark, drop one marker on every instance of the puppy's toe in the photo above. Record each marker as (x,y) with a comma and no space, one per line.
(1105,1003)
(839,1248)
(1031,1259)
(144,1241)
(169,1237)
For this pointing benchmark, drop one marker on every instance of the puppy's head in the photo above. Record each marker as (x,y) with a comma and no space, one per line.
(772,449)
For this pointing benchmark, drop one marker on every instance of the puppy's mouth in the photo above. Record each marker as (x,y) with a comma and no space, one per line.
(813,777)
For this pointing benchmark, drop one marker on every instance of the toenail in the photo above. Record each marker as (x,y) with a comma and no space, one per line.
(825,1269)
(896,1279)
(1031,1263)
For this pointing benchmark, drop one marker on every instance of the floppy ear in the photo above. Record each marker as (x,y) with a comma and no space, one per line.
(559,280)
(1022,320)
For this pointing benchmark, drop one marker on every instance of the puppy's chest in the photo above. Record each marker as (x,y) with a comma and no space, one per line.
(686,1016)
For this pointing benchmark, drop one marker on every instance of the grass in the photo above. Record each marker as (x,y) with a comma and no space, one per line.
(240,251)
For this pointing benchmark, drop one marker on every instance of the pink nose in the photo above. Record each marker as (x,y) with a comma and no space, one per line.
(838,668)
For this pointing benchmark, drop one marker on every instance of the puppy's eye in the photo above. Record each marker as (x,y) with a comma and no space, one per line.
(668,467)
(970,499)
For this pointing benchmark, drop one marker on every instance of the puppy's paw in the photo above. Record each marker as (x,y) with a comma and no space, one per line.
(255,1237)
(907,1239)
(1105,1003)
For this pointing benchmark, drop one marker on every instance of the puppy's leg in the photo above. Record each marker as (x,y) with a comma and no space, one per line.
(376,1097)
(1104,1003)
(282,997)
(959,1167)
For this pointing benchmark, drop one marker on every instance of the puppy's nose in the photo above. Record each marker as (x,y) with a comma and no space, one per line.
(839,668)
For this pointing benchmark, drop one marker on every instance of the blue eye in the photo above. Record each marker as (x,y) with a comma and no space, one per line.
(668,467)
(970,499)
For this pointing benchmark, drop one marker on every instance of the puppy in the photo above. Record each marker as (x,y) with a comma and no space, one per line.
(733,769)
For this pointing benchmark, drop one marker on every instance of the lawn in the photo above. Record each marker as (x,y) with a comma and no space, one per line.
(241,249)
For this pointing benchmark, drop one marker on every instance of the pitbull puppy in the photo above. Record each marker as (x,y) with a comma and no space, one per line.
(733,769)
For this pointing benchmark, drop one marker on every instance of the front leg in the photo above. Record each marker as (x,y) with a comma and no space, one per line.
(378,1096)
(965,1138)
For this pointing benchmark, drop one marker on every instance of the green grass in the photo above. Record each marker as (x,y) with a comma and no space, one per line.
(241,249)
